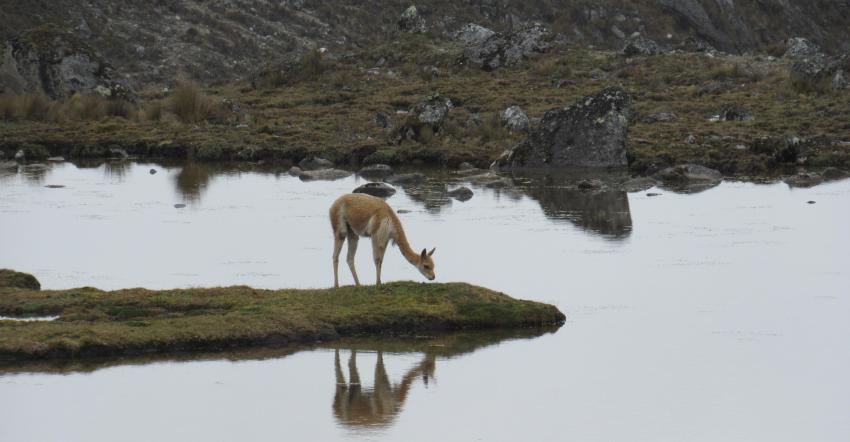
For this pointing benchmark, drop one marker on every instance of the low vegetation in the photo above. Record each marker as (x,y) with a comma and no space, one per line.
(135,321)
(330,106)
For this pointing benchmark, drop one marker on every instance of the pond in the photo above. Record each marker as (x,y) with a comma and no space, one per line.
(717,315)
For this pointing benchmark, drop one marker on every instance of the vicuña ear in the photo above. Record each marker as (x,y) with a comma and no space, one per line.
(432,251)
(424,252)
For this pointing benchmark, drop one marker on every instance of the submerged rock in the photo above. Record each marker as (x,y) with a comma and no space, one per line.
(382,190)
(590,133)
(324,175)
(315,163)
(11,278)
(690,177)
(406,178)
(461,193)
(376,171)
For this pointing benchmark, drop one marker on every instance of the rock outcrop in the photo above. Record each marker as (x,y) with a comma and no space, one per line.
(411,21)
(640,45)
(590,133)
(491,50)
(54,62)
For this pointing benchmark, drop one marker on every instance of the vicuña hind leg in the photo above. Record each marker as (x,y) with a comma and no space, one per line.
(352,249)
(337,248)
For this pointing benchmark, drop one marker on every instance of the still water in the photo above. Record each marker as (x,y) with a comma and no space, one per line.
(718,315)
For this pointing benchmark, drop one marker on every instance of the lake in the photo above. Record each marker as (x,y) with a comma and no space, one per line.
(717,315)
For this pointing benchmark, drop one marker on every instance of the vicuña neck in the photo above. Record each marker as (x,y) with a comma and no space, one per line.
(401,240)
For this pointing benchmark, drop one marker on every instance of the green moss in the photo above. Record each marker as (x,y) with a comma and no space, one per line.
(11,278)
(94,322)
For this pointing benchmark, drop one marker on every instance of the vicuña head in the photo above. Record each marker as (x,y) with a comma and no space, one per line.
(354,215)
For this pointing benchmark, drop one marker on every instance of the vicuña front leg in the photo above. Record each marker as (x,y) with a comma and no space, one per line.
(352,249)
(378,250)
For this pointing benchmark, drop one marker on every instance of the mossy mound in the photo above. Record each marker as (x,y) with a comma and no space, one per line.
(11,278)
(136,321)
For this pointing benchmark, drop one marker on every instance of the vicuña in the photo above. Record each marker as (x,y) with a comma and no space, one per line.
(355,215)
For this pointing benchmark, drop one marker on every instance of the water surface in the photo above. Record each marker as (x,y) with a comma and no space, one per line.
(720,315)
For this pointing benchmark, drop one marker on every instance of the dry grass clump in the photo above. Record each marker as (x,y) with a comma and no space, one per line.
(37,107)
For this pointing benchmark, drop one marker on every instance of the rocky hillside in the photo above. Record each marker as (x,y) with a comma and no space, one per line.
(152,42)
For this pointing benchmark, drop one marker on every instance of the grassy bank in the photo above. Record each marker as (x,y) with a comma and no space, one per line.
(332,111)
(138,321)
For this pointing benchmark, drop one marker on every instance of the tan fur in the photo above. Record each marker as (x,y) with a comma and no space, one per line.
(355,215)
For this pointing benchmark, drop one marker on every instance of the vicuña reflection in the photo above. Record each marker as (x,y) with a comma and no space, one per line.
(377,406)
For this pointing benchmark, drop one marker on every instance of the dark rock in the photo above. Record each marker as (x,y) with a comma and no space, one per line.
(382,190)
(491,50)
(411,21)
(639,184)
(734,113)
(295,171)
(376,171)
(315,163)
(324,175)
(461,193)
(651,194)
(54,186)
(515,119)
(406,178)
(402,211)
(179,206)
(11,278)
(383,121)
(783,149)
(804,179)
(153,171)
(663,117)
(810,202)
(590,133)
(590,184)
(690,177)
(641,45)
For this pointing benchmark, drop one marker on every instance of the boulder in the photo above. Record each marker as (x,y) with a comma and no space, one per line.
(461,193)
(11,278)
(491,50)
(734,113)
(324,175)
(376,171)
(821,73)
(515,119)
(690,177)
(433,111)
(640,45)
(411,21)
(590,133)
(660,117)
(315,163)
(295,171)
(799,48)
(382,190)
(406,178)
(54,62)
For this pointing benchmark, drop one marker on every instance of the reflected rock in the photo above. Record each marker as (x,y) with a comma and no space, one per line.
(804,179)
(117,169)
(461,193)
(605,212)
(381,190)
(433,195)
(376,171)
(639,184)
(193,179)
(315,163)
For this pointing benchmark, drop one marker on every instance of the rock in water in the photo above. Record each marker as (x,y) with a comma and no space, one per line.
(461,193)
(515,119)
(406,178)
(315,163)
(590,133)
(376,171)
(324,174)
(382,190)
(804,179)
(690,177)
